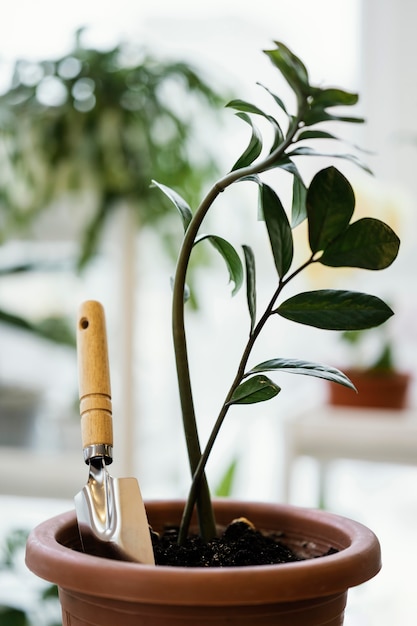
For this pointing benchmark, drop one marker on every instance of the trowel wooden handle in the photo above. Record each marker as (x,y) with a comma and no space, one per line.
(94,382)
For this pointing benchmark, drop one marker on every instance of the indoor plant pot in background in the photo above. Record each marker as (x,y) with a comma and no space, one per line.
(380,383)
(96,591)
(326,206)
(376,390)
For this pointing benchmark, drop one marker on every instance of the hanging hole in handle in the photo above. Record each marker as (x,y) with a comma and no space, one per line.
(84,323)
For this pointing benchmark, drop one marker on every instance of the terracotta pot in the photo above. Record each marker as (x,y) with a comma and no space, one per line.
(375,390)
(100,592)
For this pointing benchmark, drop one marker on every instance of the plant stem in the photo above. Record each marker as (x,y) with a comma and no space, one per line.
(240,374)
(200,491)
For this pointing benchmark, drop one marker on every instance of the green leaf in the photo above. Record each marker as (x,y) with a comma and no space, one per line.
(246,107)
(291,67)
(224,488)
(277,99)
(318,114)
(331,97)
(254,148)
(316,134)
(295,366)
(334,309)
(286,164)
(179,202)
(368,243)
(278,227)
(307,151)
(13,617)
(330,204)
(231,257)
(299,197)
(250,283)
(256,389)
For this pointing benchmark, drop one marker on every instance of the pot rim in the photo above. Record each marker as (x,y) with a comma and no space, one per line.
(358,560)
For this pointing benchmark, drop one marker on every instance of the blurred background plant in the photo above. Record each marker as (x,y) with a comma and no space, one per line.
(36,604)
(81,136)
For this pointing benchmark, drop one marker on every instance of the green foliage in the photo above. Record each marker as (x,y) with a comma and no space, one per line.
(328,205)
(384,360)
(225,486)
(95,124)
(90,129)
(11,552)
(13,617)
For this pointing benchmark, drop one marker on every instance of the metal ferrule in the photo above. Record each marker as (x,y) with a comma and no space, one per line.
(98,451)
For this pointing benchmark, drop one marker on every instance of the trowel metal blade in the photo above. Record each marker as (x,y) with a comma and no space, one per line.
(112,518)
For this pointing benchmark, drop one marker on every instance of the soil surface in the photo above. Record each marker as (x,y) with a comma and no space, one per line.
(239,544)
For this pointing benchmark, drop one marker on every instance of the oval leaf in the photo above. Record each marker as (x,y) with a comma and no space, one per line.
(334,309)
(368,243)
(330,204)
(182,206)
(296,366)
(279,229)
(231,257)
(256,389)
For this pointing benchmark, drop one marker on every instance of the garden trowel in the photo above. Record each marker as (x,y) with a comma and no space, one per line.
(110,511)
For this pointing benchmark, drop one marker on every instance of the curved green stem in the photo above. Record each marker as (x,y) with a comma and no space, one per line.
(197,461)
(240,374)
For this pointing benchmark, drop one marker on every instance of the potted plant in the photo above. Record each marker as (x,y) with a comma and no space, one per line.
(379,382)
(305,592)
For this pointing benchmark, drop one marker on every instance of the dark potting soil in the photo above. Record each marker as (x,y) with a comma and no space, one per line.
(239,544)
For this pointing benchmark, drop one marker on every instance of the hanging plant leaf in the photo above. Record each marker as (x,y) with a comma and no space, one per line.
(291,67)
(296,366)
(256,389)
(334,309)
(182,206)
(318,114)
(277,99)
(367,243)
(254,148)
(316,134)
(331,97)
(247,107)
(330,203)
(307,151)
(286,164)
(299,202)
(279,229)
(250,283)
(231,257)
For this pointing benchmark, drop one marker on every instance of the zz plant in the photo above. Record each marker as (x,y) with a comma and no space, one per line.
(335,240)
